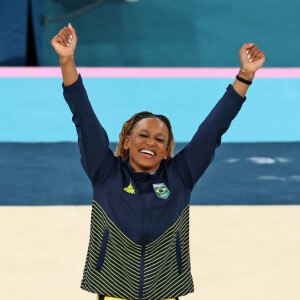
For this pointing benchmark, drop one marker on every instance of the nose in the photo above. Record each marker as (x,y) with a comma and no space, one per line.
(150,142)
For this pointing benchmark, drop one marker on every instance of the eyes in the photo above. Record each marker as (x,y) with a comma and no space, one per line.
(146,135)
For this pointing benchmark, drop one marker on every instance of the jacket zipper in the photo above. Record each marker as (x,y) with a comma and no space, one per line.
(143,252)
(142,272)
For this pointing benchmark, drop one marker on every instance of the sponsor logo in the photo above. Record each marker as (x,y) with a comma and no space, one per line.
(129,189)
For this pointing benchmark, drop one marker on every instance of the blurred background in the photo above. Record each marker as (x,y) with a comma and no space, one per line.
(168,33)
(170,57)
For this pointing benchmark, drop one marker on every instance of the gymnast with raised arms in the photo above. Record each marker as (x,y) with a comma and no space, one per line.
(139,233)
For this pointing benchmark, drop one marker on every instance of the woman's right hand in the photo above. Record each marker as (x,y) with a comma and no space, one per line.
(64,43)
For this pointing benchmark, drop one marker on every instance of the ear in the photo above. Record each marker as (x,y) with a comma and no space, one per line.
(167,152)
(127,142)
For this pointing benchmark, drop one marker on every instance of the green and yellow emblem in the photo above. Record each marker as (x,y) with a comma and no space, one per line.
(161,190)
(129,189)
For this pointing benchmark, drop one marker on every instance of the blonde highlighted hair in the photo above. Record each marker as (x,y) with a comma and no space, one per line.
(129,125)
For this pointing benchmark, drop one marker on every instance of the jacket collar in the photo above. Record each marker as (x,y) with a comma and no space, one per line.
(135,174)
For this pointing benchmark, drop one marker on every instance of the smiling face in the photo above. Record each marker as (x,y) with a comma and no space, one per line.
(147,145)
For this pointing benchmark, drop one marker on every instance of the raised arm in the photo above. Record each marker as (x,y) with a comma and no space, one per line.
(194,159)
(64,43)
(92,138)
(251,59)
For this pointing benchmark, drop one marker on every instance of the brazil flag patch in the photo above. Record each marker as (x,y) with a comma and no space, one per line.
(161,190)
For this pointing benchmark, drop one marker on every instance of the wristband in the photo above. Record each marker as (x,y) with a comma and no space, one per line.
(243,80)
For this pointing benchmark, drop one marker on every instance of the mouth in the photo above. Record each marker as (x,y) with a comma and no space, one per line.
(147,153)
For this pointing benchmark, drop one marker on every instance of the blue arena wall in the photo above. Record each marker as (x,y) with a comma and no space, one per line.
(258,162)
(241,174)
(35,110)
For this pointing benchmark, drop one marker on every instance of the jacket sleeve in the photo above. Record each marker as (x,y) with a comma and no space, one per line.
(197,155)
(92,139)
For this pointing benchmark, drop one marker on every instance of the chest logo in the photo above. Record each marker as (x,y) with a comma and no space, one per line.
(129,189)
(161,190)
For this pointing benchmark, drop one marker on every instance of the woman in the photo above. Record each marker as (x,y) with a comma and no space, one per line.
(139,235)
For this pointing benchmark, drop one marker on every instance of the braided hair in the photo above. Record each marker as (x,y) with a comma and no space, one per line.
(129,125)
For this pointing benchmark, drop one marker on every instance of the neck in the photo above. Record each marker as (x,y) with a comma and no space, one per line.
(139,169)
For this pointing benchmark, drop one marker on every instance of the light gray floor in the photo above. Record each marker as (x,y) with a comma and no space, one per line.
(237,252)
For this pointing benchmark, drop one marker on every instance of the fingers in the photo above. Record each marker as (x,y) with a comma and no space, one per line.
(250,52)
(65,37)
(244,52)
(255,54)
(65,33)
(251,58)
(57,39)
(73,32)
(245,48)
(261,55)
(62,38)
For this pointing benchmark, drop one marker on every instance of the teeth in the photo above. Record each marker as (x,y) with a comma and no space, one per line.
(148,152)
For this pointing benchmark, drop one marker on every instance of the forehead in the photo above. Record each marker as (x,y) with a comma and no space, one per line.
(154,125)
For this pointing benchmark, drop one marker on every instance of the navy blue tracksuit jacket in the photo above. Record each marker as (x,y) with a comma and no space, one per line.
(139,232)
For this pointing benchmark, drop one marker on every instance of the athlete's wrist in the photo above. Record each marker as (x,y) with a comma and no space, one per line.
(66,59)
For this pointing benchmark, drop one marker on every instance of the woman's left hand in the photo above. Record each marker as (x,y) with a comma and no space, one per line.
(251,60)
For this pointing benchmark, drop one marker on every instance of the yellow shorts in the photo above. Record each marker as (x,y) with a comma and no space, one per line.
(112,298)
